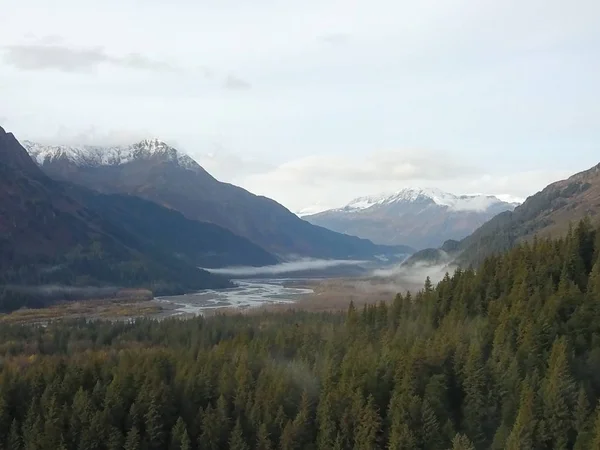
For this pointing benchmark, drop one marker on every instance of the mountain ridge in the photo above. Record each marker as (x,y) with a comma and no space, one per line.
(55,232)
(420,217)
(548,213)
(93,156)
(465,202)
(160,178)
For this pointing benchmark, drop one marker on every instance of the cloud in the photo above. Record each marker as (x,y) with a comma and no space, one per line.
(94,136)
(52,55)
(286,267)
(334,38)
(515,185)
(397,166)
(234,83)
(227,165)
(329,181)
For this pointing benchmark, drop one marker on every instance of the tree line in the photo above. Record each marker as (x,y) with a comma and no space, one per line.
(503,357)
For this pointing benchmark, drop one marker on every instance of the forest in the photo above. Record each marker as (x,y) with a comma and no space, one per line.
(506,356)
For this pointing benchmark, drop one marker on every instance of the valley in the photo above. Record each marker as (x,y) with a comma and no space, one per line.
(366,225)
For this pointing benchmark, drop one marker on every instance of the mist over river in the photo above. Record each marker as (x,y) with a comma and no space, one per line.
(249,293)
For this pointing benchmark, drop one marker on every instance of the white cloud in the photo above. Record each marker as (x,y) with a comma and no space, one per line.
(321,182)
(508,88)
(286,267)
(375,167)
(72,59)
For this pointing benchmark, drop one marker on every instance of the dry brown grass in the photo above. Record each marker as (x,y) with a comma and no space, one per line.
(330,296)
(99,308)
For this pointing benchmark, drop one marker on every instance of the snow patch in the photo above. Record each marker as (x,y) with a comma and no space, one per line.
(474,202)
(94,156)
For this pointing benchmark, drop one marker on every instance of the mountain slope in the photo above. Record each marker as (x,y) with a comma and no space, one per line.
(417,217)
(154,171)
(203,244)
(47,235)
(547,213)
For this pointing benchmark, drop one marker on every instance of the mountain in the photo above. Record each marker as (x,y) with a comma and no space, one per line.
(547,213)
(417,217)
(153,170)
(48,235)
(202,244)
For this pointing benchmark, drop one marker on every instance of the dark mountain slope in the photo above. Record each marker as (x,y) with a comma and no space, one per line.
(203,244)
(547,213)
(48,236)
(157,172)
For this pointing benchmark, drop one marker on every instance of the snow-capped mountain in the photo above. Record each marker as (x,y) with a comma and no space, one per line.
(473,202)
(94,156)
(154,171)
(417,217)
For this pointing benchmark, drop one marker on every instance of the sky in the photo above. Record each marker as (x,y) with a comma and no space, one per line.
(316,102)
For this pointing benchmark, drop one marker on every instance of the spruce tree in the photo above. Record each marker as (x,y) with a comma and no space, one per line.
(369,427)
(558,396)
(263,441)
(180,439)
(14,440)
(154,426)
(133,440)
(522,436)
(236,440)
(461,442)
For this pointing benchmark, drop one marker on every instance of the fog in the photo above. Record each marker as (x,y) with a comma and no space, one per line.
(286,267)
(415,273)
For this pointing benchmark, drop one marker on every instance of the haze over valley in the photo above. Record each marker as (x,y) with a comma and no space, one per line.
(318,225)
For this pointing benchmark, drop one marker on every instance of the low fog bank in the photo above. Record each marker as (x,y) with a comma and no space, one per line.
(301,265)
(415,273)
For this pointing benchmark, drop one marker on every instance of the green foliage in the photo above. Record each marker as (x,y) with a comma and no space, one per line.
(505,357)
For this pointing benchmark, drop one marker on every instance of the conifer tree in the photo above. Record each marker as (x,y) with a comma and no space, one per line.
(133,440)
(369,427)
(595,444)
(236,440)
(180,439)
(475,403)
(461,442)
(154,426)
(558,395)
(430,428)
(263,441)
(523,432)
(14,440)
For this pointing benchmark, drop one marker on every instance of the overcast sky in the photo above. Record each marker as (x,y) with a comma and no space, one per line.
(318,101)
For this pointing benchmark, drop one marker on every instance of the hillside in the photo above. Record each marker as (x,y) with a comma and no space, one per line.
(202,244)
(503,358)
(417,217)
(157,172)
(48,236)
(547,213)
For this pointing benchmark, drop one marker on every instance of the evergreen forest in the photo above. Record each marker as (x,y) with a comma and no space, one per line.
(505,356)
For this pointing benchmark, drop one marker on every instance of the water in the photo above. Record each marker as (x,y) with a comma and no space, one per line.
(247,294)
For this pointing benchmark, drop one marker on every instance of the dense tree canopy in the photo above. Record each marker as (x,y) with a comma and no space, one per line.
(506,356)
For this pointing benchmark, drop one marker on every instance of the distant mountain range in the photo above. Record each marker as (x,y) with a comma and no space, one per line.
(547,213)
(419,218)
(144,216)
(153,170)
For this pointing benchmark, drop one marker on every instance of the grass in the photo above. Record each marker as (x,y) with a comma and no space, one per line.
(113,308)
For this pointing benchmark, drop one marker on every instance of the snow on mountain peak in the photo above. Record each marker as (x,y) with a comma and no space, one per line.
(91,155)
(475,202)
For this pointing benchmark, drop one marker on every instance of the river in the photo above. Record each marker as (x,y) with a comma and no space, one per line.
(249,293)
